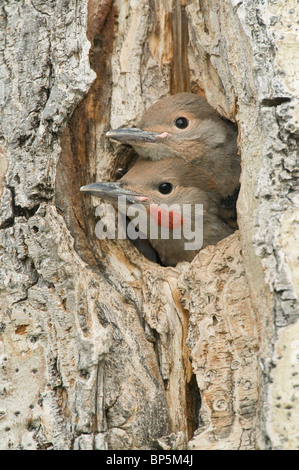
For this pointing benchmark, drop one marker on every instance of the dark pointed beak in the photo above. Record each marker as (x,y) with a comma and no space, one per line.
(112,191)
(134,135)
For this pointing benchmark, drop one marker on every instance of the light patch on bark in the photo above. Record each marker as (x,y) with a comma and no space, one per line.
(3,169)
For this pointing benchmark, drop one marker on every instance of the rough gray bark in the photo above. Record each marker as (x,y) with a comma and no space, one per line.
(96,340)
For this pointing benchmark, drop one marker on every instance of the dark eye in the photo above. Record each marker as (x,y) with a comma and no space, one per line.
(181,122)
(120,172)
(165,188)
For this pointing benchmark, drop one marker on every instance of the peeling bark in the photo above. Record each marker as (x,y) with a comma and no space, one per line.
(101,348)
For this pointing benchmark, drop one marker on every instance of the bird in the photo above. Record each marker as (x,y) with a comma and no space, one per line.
(185,125)
(169,193)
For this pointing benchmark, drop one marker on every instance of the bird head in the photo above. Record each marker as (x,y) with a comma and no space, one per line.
(186,126)
(169,191)
(163,183)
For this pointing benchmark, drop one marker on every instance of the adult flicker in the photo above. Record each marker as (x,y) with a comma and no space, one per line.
(186,126)
(169,191)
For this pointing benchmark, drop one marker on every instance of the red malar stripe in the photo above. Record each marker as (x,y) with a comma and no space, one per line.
(163,218)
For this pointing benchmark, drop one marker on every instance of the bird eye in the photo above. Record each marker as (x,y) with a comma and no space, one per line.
(181,122)
(165,188)
(120,172)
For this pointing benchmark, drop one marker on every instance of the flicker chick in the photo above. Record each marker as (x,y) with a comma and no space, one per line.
(186,126)
(169,194)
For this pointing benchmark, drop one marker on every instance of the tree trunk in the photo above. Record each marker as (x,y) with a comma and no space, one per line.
(101,348)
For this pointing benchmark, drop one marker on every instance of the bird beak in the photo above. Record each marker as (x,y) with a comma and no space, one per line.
(133,135)
(112,191)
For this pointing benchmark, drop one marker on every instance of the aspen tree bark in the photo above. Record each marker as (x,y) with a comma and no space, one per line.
(100,347)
